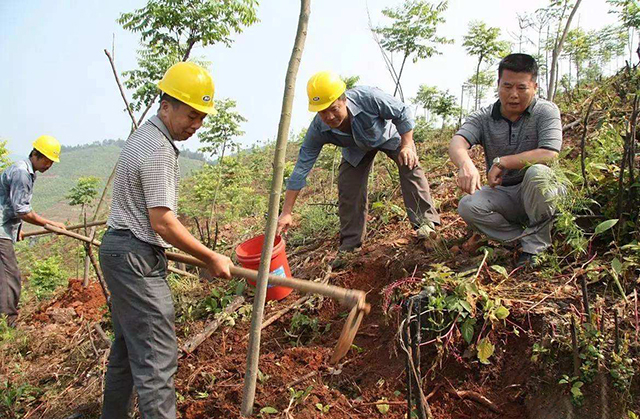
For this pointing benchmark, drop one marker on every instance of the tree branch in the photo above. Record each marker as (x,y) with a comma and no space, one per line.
(124,97)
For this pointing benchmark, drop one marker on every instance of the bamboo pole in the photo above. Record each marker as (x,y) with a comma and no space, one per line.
(253,348)
(42,231)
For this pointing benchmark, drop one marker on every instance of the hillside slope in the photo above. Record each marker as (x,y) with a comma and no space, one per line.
(51,188)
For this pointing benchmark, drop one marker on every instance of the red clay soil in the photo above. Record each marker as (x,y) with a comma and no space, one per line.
(88,303)
(210,381)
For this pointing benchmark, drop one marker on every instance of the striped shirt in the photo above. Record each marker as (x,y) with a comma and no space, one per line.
(147,176)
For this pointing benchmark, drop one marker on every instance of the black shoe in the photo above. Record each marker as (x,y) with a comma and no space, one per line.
(528,260)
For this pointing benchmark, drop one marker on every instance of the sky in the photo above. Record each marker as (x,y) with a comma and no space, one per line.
(57,80)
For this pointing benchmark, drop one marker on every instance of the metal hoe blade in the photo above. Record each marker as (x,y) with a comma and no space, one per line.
(349,331)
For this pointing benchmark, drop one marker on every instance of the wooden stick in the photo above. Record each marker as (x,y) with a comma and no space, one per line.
(574,344)
(103,285)
(583,142)
(616,347)
(303,378)
(101,333)
(476,397)
(635,297)
(347,296)
(42,231)
(181,272)
(124,97)
(585,297)
(211,327)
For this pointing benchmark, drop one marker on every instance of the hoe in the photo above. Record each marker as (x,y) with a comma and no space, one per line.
(354,299)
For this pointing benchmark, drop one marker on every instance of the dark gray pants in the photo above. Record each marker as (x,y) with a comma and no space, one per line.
(10,282)
(353,198)
(504,212)
(144,353)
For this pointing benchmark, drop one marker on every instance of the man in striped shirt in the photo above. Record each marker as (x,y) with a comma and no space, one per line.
(142,224)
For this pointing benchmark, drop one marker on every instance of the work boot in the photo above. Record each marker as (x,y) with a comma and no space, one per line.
(426,230)
(343,258)
(528,260)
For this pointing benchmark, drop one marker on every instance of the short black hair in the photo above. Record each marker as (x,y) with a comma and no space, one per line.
(35,153)
(172,100)
(519,63)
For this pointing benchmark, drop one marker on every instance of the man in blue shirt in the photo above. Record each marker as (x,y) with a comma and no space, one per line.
(362,120)
(16,190)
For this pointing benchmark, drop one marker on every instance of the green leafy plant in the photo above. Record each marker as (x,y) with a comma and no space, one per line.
(323,408)
(382,406)
(298,396)
(14,396)
(304,328)
(46,276)
(575,385)
(267,410)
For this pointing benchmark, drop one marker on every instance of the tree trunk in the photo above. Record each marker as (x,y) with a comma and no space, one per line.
(85,275)
(551,93)
(546,63)
(214,204)
(253,348)
(477,82)
(461,105)
(404,60)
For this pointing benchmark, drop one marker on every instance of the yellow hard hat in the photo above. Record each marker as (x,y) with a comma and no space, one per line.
(323,89)
(190,84)
(48,146)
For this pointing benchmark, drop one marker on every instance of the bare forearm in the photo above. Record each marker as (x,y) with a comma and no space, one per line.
(519,161)
(406,140)
(289,201)
(459,152)
(33,218)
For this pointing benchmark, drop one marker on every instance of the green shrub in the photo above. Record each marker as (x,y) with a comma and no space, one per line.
(315,221)
(46,276)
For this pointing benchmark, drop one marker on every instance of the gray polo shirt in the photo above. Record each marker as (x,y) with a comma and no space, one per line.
(538,127)
(147,176)
(16,191)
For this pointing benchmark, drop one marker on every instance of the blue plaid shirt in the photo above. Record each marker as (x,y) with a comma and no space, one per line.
(16,190)
(377,121)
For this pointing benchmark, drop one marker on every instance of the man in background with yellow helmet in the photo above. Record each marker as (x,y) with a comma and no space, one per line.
(142,224)
(16,191)
(362,120)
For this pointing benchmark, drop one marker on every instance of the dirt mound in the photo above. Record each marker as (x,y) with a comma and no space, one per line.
(87,303)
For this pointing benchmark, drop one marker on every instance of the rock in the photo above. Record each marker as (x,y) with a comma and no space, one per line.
(61,315)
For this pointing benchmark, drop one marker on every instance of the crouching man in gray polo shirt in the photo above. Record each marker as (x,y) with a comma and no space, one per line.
(519,134)
(142,224)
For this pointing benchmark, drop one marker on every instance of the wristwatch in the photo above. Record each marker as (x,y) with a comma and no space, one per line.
(496,162)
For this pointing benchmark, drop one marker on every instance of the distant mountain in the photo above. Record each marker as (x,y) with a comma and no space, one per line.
(97,160)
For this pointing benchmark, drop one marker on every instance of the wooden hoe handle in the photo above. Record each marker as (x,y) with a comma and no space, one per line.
(348,297)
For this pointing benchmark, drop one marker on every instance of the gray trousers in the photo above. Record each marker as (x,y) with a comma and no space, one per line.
(353,198)
(505,212)
(10,282)
(144,353)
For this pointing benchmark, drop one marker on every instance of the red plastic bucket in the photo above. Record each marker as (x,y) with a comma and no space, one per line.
(248,254)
